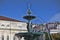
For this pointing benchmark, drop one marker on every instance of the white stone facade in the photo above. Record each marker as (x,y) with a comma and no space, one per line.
(8,29)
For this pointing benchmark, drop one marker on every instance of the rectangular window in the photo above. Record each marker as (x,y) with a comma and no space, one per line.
(2,37)
(7,37)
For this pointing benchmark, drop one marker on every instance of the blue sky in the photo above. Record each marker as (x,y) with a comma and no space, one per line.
(44,10)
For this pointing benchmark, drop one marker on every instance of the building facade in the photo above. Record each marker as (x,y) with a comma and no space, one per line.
(9,27)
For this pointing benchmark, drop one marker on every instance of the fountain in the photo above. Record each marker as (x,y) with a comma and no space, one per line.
(30,35)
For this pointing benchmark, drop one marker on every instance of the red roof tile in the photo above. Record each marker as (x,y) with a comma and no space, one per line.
(8,19)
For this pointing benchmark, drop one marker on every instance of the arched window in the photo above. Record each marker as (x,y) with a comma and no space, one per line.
(8,25)
(2,25)
(2,37)
(7,37)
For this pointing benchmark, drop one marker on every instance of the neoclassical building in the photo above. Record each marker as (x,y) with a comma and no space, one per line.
(9,27)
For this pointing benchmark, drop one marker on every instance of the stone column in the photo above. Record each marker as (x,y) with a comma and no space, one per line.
(12,36)
(5,37)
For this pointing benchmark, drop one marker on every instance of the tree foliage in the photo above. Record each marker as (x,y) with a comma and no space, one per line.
(55,36)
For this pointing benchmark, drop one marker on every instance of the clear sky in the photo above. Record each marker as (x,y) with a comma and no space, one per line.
(46,10)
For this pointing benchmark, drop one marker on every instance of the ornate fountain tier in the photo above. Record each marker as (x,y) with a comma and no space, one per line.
(29,17)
